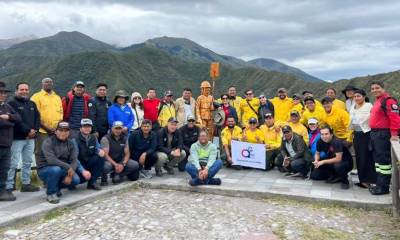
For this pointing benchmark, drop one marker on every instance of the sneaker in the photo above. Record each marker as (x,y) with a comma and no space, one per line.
(214,181)
(116,179)
(29,188)
(194,182)
(333,180)
(169,170)
(104,180)
(145,173)
(375,190)
(288,174)
(53,199)
(300,175)
(237,167)
(94,186)
(159,173)
(7,195)
(59,193)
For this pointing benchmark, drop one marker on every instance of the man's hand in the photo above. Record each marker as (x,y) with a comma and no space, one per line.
(286,161)
(394,138)
(119,168)
(5,116)
(317,164)
(101,153)
(68,179)
(176,153)
(142,159)
(229,159)
(31,134)
(257,139)
(86,174)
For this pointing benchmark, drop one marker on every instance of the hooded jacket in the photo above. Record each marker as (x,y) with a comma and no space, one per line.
(30,117)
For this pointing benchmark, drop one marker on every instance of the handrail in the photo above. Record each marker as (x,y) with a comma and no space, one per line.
(395,152)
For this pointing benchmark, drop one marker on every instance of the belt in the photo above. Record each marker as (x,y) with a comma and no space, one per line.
(380,129)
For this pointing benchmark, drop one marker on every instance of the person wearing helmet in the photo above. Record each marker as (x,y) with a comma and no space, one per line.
(204,107)
(120,111)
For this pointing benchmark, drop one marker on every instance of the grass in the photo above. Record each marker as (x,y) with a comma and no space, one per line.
(35,180)
(311,232)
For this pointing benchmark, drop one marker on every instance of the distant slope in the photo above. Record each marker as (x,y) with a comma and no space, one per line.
(6,43)
(273,65)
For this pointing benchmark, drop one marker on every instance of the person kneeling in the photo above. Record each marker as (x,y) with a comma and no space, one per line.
(333,160)
(58,163)
(117,155)
(202,165)
(295,154)
(90,155)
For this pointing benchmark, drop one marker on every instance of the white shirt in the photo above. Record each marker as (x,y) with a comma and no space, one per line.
(359,118)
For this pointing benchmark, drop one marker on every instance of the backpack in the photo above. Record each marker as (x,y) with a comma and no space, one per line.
(395,107)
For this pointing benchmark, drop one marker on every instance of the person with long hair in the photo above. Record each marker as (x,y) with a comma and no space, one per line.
(359,122)
(136,105)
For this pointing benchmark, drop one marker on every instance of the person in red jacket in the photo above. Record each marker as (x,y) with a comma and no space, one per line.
(75,106)
(151,106)
(385,125)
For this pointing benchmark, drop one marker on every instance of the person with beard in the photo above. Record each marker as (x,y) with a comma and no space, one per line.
(23,145)
(185,107)
(273,141)
(229,133)
(282,105)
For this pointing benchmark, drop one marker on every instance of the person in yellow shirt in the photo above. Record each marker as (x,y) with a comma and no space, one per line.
(273,140)
(308,93)
(167,109)
(252,134)
(282,105)
(229,133)
(233,100)
(338,119)
(331,92)
(249,108)
(50,108)
(298,104)
(312,111)
(297,126)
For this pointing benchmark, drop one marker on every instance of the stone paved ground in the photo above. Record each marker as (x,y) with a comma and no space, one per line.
(165,214)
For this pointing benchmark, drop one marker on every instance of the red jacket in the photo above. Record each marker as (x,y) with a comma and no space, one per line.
(150,107)
(67,105)
(390,120)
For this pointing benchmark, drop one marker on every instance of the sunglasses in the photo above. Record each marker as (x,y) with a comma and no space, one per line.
(137,98)
(191,121)
(286,132)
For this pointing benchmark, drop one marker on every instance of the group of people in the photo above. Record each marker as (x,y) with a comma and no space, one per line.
(79,138)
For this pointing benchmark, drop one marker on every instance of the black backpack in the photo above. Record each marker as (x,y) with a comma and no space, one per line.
(394,106)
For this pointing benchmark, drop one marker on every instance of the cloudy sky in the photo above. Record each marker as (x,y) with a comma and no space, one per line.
(329,39)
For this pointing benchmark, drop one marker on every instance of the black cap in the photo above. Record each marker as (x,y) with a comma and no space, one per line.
(307,91)
(172,120)
(3,87)
(63,125)
(309,98)
(286,128)
(295,112)
(252,120)
(326,100)
(349,88)
(297,95)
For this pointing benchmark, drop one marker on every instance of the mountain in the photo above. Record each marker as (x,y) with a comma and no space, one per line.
(273,65)
(190,51)
(6,43)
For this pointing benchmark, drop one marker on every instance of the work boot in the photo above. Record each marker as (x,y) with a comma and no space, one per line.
(169,170)
(7,195)
(116,179)
(94,186)
(159,173)
(104,180)
(53,199)
(375,190)
(194,182)
(29,188)
(333,179)
(214,181)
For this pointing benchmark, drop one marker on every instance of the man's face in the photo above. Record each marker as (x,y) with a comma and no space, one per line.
(187,95)
(168,99)
(230,122)
(101,91)
(253,125)
(331,93)
(191,123)
(310,105)
(151,94)
(296,101)
(294,118)
(269,121)
(249,95)
(326,136)
(79,90)
(22,91)
(3,96)
(263,100)
(86,129)
(377,90)
(47,85)
(288,135)
(116,131)
(172,126)
(121,100)
(146,128)
(62,134)
(282,94)
(327,107)
(203,138)
(232,92)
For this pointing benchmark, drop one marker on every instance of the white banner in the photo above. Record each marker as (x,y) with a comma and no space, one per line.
(248,154)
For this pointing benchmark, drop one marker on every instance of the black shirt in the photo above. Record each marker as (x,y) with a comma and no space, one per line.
(328,150)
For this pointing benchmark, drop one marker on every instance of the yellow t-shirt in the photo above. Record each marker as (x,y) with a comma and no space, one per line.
(272,138)
(339,121)
(319,114)
(300,129)
(227,134)
(49,107)
(247,112)
(282,108)
(339,104)
(251,136)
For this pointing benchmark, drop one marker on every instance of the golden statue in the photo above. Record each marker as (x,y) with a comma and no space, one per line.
(204,108)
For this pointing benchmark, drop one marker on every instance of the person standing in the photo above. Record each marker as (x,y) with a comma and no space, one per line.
(137,109)
(8,118)
(248,108)
(120,111)
(98,108)
(359,123)
(229,111)
(266,106)
(331,92)
(76,107)
(185,107)
(151,105)
(282,105)
(348,92)
(385,124)
(23,145)
(234,100)
(314,135)
(167,109)
(313,111)
(50,109)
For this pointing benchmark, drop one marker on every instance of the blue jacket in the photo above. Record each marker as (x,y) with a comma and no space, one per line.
(123,114)
(313,143)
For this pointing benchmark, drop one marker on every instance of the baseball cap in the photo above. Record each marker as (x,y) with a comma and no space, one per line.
(117,124)
(327,100)
(286,129)
(282,90)
(295,112)
(268,114)
(309,98)
(297,95)
(252,120)
(168,93)
(307,91)
(172,120)
(191,118)
(86,122)
(312,121)
(63,125)
(261,96)
(79,83)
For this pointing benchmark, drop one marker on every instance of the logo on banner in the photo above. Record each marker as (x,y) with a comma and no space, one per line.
(248,153)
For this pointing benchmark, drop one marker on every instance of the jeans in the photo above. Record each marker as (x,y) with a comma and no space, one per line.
(5,155)
(150,160)
(168,160)
(340,169)
(131,170)
(95,165)
(21,149)
(212,171)
(53,177)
